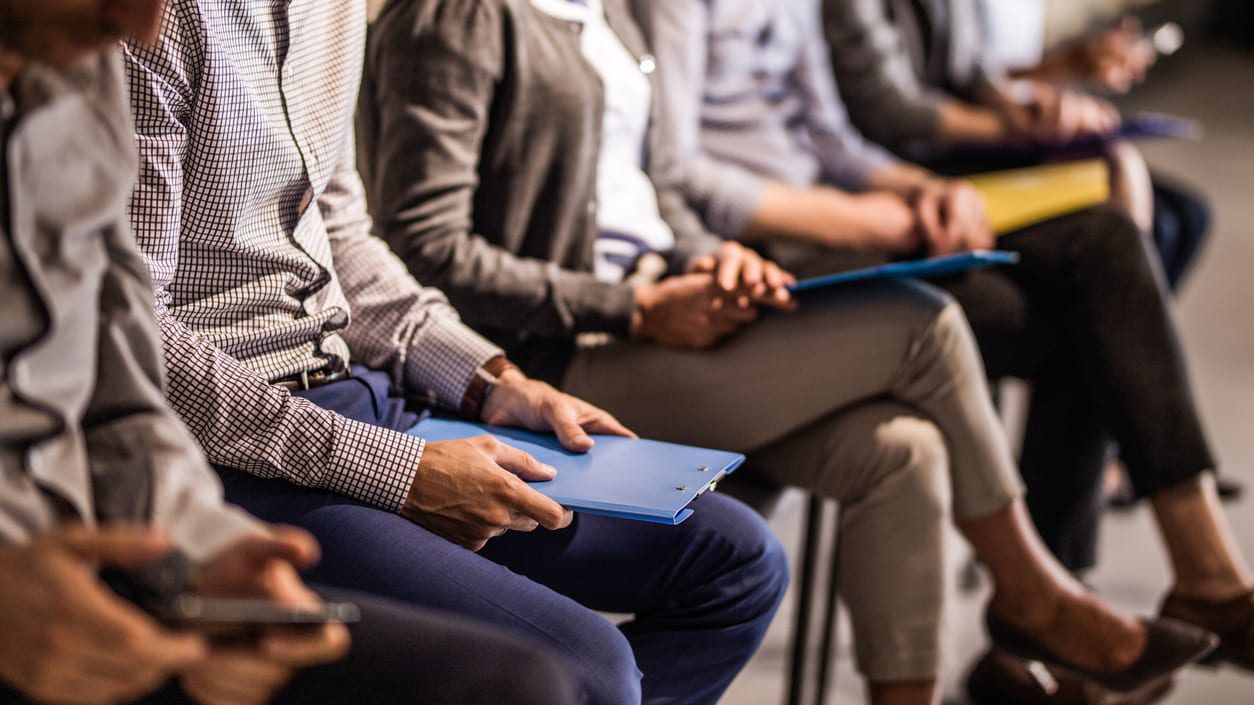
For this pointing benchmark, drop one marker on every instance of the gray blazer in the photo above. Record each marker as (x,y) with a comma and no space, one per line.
(86,432)
(896,60)
(480,131)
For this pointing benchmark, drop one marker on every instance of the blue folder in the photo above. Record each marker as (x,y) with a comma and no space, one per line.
(919,268)
(620,477)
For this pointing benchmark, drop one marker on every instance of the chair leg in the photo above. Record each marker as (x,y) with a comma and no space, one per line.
(829,621)
(805,601)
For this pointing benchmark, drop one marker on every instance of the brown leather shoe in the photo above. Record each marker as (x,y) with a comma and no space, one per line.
(1232,620)
(999,678)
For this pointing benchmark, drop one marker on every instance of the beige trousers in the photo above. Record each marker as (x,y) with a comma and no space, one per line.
(873,395)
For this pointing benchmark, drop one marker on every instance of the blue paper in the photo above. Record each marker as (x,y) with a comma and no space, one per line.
(620,477)
(920,268)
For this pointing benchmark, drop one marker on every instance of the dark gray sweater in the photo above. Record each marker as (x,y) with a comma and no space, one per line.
(480,126)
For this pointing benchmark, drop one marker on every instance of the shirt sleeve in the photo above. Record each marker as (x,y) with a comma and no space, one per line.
(239,418)
(397,325)
(885,97)
(129,428)
(847,158)
(429,94)
(726,194)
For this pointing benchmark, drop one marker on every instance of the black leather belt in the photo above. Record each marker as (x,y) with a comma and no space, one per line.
(304,381)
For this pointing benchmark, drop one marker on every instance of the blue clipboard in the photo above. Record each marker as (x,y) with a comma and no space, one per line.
(620,477)
(919,268)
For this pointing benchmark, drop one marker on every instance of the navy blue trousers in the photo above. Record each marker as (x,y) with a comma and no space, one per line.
(701,594)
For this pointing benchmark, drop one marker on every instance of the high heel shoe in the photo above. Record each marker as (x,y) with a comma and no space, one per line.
(1232,620)
(1169,646)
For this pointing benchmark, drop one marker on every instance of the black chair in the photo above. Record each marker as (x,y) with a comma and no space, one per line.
(764,496)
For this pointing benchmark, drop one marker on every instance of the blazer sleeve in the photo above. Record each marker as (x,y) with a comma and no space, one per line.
(432,73)
(885,97)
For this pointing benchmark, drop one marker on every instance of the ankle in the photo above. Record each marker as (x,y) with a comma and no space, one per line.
(1216,590)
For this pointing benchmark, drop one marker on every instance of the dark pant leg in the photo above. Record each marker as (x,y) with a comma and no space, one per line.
(1116,324)
(1181,226)
(702,593)
(403,655)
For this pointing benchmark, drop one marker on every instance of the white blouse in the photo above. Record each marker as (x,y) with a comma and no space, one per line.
(629,223)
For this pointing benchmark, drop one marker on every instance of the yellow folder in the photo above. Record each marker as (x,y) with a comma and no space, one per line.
(1017,198)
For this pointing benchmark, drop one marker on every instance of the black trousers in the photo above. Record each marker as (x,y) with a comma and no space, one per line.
(403,655)
(1085,318)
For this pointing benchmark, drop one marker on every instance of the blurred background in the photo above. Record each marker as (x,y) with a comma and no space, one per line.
(1210,79)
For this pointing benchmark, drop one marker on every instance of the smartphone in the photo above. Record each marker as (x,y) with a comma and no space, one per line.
(193,610)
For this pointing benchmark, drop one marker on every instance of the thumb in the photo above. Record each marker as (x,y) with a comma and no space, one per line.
(118,546)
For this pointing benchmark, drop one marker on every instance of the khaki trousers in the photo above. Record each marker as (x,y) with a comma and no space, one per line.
(873,395)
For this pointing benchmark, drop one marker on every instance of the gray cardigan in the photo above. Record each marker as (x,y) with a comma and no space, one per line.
(896,61)
(480,131)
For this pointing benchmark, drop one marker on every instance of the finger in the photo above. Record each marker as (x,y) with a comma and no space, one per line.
(548,513)
(751,271)
(735,314)
(729,267)
(299,650)
(522,464)
(561,417)
(704,263)
(928,215)
(522,524)
(285,543)
(119,546)
(603,422)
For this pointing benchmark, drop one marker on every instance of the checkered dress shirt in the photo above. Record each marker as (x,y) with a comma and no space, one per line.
(252,218)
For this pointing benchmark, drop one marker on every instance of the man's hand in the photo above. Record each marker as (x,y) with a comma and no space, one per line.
(262,567)
(472,490)
(67,637)
(951,217)
(743,274)
(65,32)
(527,403)
(889,221)
(689,311)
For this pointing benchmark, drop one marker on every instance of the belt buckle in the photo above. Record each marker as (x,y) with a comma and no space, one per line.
(303,379)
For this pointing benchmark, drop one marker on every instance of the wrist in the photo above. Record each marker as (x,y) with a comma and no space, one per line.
(494,372)
(645,299)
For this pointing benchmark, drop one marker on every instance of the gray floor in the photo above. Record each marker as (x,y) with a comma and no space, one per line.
(1215,86)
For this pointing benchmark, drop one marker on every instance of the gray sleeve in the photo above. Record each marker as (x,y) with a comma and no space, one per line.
(430,86)
(848,159)
(726,194)
(128,427)
(885,97)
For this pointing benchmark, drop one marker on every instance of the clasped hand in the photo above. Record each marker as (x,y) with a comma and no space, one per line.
(719,294)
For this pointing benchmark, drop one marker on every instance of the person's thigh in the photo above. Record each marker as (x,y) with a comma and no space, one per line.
(404,655)
(779,374)
(701,594)
(372,551)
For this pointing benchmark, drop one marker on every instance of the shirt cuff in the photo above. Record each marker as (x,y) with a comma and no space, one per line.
(373,464)
(441,364)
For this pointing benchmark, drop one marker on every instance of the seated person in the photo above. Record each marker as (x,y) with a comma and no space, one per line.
(97,472)
(919,83)
(758,141)
(294,341)
(512,173)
